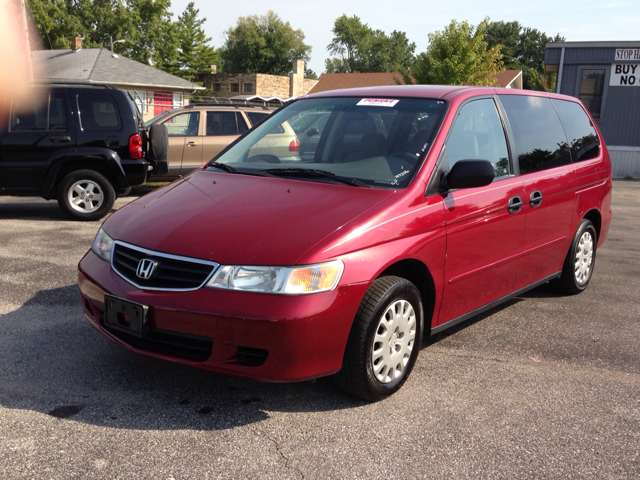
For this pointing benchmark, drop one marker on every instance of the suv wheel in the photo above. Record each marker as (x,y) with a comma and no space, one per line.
(86,195)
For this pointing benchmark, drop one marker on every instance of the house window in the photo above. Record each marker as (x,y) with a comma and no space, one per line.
(140,97)
(235,87)
(591,88)
(248,88)
(217,87)
(177,99)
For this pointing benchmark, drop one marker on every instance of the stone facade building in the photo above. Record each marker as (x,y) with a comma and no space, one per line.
(242,86)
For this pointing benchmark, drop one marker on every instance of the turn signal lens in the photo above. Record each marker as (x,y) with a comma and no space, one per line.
(282,280)
(314,279)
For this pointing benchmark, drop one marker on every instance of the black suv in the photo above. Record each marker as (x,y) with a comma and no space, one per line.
(81,144)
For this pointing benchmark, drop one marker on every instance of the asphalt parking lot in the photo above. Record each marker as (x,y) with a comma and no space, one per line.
(545,386)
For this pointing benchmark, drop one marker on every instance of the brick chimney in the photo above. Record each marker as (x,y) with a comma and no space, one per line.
(76,43)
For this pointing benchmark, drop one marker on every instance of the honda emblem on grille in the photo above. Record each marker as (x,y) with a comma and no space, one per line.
(146,268)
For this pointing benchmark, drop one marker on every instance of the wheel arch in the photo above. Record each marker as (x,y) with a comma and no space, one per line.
(106,164)
(417,273)
(595,217)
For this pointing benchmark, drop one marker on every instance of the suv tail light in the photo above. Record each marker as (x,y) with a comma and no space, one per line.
(294,146)
(135,146)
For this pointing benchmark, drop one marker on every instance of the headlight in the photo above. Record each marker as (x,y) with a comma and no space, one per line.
(283,280)
(102,245)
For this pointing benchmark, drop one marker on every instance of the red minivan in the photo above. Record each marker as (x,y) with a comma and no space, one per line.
(414,209)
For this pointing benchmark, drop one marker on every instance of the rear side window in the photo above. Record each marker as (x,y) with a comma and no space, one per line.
(256,117)
(582,137)
(39,113)
(221,123)
(478,134)
(538,134)
(98,112)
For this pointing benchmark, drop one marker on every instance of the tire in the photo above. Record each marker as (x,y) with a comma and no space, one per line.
(158,153)
(86,195)
(578,266)
(123,193)
(384,341)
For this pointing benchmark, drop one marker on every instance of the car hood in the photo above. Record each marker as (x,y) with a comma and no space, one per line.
(240,219)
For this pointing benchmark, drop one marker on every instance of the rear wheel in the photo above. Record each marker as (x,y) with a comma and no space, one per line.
(86,195)
(579,263)
(384,341)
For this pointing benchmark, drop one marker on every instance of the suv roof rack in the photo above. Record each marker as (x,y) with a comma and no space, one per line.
(76,83)
(196,103)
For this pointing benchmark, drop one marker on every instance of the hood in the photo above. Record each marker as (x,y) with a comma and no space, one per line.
(240,219)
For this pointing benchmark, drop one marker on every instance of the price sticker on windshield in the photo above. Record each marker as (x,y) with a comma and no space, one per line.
(378,102)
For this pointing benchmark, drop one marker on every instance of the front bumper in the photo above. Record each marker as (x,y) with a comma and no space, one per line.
(259,336)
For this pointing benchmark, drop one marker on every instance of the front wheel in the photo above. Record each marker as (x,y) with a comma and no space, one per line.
(384,341)
(86,195)
(579,263)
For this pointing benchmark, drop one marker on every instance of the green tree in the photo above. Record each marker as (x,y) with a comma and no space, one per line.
(145,25)
(523,49)
(194,52)
(263,44)
(458,55)
(358,48)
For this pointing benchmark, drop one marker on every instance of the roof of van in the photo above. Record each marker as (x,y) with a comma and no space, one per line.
(427,91)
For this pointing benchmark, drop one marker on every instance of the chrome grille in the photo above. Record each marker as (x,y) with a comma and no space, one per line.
(172,272)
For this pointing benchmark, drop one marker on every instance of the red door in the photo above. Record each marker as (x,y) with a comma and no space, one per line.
(162,101)
(484,246)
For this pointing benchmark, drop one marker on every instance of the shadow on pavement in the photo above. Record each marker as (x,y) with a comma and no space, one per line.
(55,363)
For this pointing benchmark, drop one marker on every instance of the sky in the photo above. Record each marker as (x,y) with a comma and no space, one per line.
(576,20)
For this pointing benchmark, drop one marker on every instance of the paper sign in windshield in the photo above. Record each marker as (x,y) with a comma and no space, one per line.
(378,102)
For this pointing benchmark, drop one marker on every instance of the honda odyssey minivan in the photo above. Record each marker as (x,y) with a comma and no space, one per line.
(417,208)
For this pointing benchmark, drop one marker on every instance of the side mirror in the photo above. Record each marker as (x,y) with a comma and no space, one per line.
(468,174)
(312,131)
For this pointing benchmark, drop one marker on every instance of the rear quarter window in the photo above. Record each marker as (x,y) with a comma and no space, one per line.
(98,112)
(581,135)
(538,134)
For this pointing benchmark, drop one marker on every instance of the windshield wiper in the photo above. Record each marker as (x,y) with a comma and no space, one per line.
(223,166)
(315,173)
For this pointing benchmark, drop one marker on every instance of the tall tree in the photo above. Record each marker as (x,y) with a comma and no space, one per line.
(458,55)
(358,48)
(194,52)
(263,44)
(144,25)
(523,49)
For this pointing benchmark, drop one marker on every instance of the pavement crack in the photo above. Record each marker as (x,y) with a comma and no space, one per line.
(283,456)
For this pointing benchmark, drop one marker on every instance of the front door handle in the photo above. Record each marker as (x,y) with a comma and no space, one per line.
(515,204)
(192,144)
(60,138)
(535,198)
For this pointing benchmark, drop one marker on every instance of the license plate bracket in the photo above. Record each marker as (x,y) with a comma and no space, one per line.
(126,316)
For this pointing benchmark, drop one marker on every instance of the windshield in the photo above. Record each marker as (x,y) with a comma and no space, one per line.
(157,118)
(364,141)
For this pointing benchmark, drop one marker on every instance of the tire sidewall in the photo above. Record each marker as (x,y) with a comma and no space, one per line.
(403,290)
(585,226)
(93,176)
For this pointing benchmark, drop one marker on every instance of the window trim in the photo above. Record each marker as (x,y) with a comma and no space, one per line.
(506,130)
(605,88)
